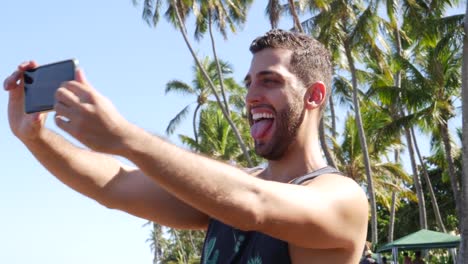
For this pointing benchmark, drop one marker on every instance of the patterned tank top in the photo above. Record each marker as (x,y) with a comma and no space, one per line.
(227,245)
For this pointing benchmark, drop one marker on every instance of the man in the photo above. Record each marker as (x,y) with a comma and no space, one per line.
(250,219)
(418,258)
(384,260)
(406,258)
(367,258)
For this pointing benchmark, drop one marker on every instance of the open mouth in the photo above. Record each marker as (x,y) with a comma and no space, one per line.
(262,124)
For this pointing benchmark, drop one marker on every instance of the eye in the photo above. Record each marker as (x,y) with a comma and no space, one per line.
(270,81)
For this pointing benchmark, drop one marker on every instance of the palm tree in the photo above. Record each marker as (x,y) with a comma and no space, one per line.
(273,10)
(156,241)
(385,88)
(434,202)
(217,11)
(181,26)
(216,138)
(436,76)
(199,88)
(222,14)
(463,255)
(175,246)
(393,9)
(388,177)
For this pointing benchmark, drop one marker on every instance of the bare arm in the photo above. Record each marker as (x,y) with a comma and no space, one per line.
(329,212)
(95,175)
(111,183)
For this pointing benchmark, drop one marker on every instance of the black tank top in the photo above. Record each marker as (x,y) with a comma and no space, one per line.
(227,245)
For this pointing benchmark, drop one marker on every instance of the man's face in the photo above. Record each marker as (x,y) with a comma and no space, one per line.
(274,102)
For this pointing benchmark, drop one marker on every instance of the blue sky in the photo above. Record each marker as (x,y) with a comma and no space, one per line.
(42,220)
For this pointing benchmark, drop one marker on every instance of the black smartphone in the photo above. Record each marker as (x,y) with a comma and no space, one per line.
(41,83)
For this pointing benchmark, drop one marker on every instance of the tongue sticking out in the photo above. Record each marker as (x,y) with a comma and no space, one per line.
(260,128)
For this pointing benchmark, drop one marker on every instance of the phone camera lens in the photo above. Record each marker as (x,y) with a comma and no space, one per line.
(28,79)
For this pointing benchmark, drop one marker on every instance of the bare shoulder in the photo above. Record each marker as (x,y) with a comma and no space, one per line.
(345,193)
(338,185)
(349,201)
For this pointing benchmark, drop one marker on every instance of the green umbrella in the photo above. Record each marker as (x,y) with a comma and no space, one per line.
(423,239)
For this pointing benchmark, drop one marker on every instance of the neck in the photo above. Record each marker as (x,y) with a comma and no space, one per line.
(303,155)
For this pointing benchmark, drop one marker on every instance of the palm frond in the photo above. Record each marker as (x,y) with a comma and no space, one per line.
(190,142)
(176,120)
(273,10)
(179,87)
(342,90)
(151,11)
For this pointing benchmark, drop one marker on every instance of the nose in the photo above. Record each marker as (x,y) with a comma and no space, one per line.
(254,95)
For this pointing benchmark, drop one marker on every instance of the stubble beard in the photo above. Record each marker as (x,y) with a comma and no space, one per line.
(288,120)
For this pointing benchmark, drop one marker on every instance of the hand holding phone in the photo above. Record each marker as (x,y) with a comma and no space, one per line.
(41,83)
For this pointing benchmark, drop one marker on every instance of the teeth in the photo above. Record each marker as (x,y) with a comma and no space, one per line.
(257,116)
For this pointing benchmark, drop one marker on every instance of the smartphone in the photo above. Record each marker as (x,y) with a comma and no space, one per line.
(41,83)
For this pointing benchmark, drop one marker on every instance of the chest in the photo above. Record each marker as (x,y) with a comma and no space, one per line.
(227,245)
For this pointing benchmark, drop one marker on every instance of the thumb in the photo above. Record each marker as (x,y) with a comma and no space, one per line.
(80,76)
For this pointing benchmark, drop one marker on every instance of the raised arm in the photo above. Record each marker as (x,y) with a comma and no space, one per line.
(96,175)
(328,213)
(111,183)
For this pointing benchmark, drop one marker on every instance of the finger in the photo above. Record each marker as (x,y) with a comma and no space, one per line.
(82,91)
(80,76)
(38,116)
(66,97)
(63,123)
(14,80)
(27,65)
(16,91)
(63,110)
(11,81)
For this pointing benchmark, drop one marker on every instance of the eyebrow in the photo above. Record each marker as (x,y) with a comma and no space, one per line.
(262,73)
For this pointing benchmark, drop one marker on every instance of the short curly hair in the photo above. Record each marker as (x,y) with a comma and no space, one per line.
(310,60)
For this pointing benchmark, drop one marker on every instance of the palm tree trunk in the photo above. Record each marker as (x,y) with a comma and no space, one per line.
(297,22)
(451,167)
(394,113)
(192,242)
(435,205)
(157,242)
(463,250)
(182,256)
(416,181)
(194,122)
(218,66)
(183,31)
(333,116)
(362,139)
(326,149)
(391,225)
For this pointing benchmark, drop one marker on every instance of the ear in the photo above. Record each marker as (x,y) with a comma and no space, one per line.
(315,95)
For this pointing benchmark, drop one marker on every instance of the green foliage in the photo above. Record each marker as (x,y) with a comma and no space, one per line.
(177,246)
(216,138)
